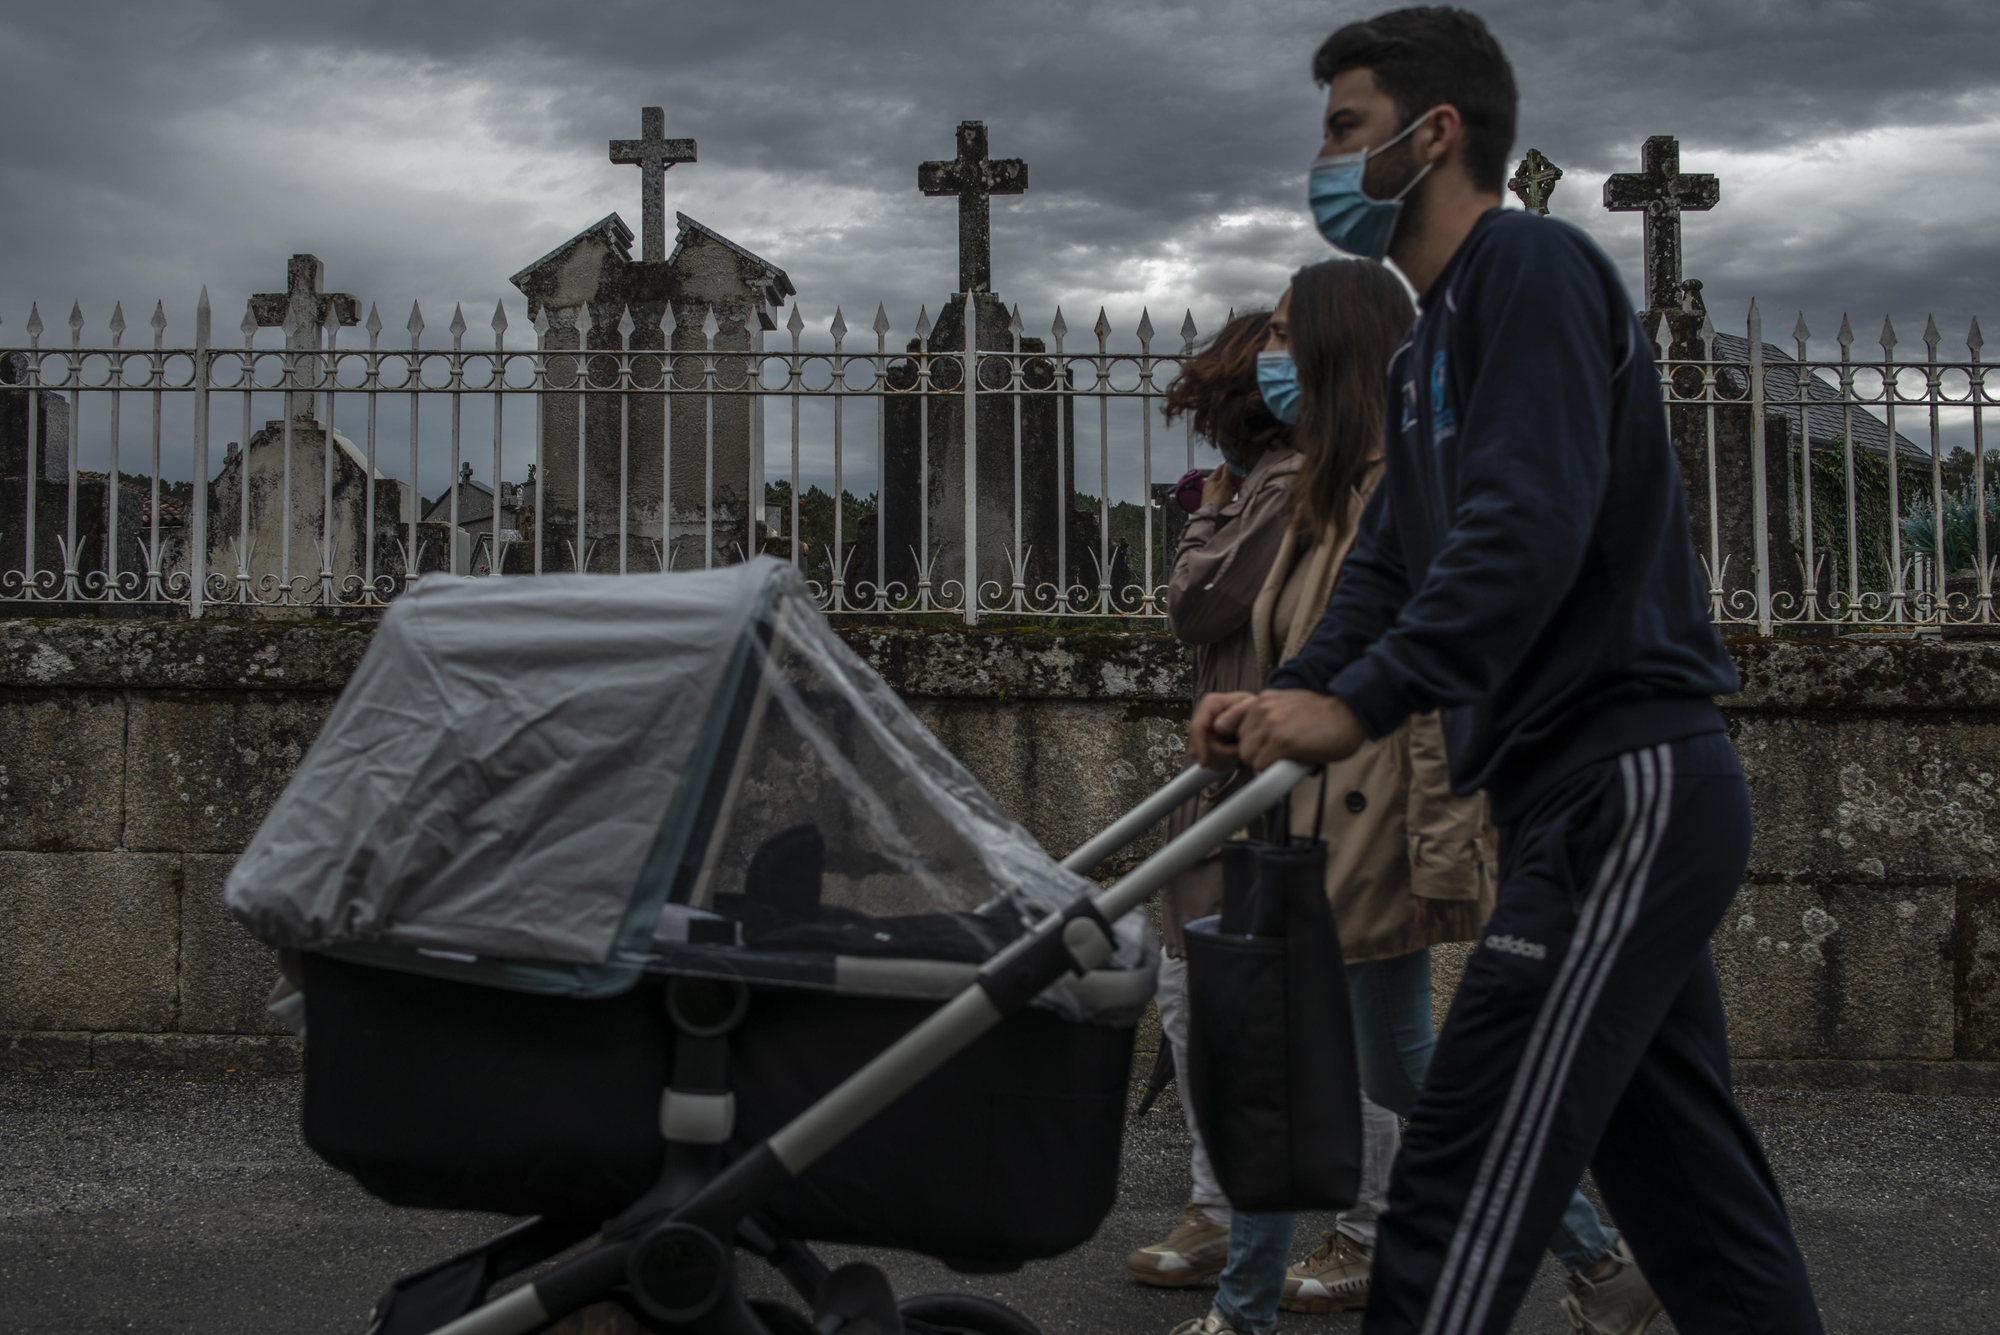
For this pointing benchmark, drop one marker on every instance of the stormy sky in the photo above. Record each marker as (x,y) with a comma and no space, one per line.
(427,151)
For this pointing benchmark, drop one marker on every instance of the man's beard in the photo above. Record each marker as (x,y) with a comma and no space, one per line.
(1387,176)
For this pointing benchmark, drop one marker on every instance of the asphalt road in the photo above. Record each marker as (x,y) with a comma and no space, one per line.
(163,1204)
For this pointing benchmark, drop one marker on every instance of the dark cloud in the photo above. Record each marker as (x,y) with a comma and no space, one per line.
(428,150)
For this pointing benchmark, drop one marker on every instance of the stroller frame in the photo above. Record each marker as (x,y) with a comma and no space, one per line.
(671,1253)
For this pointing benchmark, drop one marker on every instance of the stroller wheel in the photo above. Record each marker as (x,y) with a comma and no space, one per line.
(780,1319)
(968,1313)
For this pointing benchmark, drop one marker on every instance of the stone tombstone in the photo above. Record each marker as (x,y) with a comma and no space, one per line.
(594,295)
(290,535)
(1662,192)
(44,468)
(285,529)
(1047,429)
(42,473)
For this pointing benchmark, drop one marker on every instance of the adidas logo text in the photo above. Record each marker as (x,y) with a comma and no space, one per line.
(1514,945)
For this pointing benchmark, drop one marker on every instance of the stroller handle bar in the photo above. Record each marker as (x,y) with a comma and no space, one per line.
(1141,818)
(1076,939)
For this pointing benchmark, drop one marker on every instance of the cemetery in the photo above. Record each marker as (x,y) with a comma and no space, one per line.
(200,535)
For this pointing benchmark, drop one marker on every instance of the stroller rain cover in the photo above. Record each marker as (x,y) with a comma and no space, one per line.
(556,783)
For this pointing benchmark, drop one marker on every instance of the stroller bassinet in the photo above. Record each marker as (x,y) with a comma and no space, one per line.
(541,801)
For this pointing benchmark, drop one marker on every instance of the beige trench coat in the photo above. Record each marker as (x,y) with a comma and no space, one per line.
(1409,835)
(1393,827)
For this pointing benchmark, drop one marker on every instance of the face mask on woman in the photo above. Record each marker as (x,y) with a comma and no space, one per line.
(1278,382)
(1345,215)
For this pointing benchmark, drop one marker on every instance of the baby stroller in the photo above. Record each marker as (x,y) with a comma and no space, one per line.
(644,909)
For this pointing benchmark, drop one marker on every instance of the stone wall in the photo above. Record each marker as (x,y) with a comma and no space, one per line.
(136,758)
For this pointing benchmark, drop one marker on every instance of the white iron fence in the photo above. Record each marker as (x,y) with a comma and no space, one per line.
(1020,480)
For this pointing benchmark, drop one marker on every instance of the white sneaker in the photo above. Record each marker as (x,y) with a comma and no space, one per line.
(1333,1279)
(1622,1303)
(1196,1251)
(1212,1324)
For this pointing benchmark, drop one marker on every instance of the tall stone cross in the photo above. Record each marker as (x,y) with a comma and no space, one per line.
(972,176)
(1662,193)
(1535,180)
(652,153)
(307,308)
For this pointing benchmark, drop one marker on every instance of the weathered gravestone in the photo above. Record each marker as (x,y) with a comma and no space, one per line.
(66,545)
(1716,440)
(1673,319)
(290,508)
(590,293)
(923,511)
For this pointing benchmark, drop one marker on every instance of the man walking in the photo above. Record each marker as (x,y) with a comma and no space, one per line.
(1525,565)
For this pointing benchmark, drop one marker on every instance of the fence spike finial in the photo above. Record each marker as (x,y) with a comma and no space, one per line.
(202,318)
(248,326)
(373,324)
(1188,332)
(416,324)
(1014,325)
(1931,335)
(75,325)
(1846,335)
(625,324)
(881,325)
(1800,334)
(159,323)
(499,325)
(1059,328)
(1888,339)
(1102,329)
(541,325)
(457,326)
(34,324)
(1145,329)
(838,328)
(795,326)
(710,326)
(1974,339)
(117,323)
(923,323)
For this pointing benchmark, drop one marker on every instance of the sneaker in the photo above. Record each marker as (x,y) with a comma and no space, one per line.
(1212,1324)
(1622,1303)
(1333,1279)
(1195,1252)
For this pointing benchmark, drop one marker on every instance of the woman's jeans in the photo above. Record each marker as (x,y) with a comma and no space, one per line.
(1393,1042)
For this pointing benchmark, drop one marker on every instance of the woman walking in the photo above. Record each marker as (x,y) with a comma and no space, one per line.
(1223,560)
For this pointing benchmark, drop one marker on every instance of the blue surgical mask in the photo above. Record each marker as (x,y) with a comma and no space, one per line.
(1345,215)
(1278,382)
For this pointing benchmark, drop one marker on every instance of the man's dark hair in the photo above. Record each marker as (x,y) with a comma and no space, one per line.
(1426,57)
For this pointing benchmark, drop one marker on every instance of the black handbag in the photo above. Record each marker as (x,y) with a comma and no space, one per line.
(1272,1075)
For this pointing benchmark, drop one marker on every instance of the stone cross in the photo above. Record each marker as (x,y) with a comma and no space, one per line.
(307,308)
(652,153)
(1662,193)
(972,176)
(1535,180)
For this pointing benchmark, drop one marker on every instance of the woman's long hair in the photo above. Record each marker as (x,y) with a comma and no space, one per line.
(1217,390)
(1346,319)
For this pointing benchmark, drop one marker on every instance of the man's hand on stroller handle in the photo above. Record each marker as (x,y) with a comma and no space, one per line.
(1261,729)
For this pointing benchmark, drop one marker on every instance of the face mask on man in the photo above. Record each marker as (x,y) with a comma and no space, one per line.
(1278,382)
(1345,215)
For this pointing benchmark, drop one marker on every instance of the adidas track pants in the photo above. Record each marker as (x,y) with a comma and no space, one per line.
(1588,1030)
